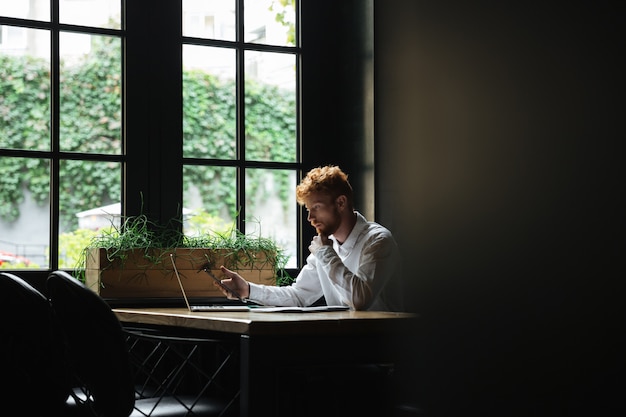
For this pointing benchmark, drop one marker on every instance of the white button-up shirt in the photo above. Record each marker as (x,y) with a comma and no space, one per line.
(362,273)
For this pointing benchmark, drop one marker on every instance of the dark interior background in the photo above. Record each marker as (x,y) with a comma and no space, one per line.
(488,136)
(499,166)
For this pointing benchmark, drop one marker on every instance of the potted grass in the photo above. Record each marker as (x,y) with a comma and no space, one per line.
(133,261)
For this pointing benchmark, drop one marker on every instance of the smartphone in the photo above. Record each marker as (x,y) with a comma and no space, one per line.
(219,282)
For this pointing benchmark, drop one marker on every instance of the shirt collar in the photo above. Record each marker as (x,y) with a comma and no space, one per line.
(349,243)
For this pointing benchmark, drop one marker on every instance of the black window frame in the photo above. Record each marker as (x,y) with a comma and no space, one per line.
(55,155)
(151,156)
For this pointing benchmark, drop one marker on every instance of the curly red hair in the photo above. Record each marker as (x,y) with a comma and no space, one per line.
(329,180)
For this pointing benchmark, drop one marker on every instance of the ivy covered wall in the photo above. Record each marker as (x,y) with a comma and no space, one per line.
(90,120)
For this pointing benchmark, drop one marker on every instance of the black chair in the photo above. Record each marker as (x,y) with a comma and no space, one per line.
(96,349)
(100,362)
(31,358)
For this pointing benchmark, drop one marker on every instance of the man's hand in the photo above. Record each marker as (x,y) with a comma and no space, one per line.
(319,241)
(236,282)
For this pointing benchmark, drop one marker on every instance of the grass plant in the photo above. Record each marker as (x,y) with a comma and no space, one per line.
(153,241)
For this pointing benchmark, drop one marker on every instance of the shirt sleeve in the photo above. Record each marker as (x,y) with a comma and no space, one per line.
(303,292)
(377,265)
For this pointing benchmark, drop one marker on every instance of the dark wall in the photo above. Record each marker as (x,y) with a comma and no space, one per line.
(500,166)
(337,109)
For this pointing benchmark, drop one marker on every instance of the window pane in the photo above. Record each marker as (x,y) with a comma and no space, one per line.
(24,212)
(270,107)
(33,9)
(271,208)
(209,199)
(94,13)
(209,19)
(90,95)
(89,196)
(270,22)
(25,91)
(209,105)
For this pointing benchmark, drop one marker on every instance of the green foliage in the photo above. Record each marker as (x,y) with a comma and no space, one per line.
(90,99)
(139,233)
(281,7)
(200,222)
(24,103)
(73,244)
(91,122)
(24,124)
(18,265)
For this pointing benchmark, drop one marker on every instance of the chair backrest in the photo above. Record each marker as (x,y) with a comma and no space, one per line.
(31,357)
(96,344)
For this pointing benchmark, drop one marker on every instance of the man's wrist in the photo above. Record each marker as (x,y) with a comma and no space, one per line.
(247,296)
(322,251)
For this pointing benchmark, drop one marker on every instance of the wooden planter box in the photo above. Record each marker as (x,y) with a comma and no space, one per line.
(149,274)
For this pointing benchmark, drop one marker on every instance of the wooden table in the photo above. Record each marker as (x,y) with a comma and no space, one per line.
(272,344)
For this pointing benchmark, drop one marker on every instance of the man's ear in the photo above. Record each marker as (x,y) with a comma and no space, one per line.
(341,201)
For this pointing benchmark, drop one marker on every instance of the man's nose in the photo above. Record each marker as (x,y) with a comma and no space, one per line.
(308,216)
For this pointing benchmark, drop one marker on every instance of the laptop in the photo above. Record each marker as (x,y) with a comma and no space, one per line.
(211,307)
(249,307)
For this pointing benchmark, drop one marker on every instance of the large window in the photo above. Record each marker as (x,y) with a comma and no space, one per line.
(60,124)
(112,107)
(240,115)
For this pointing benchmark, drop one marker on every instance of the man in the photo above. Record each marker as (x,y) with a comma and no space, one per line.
(353,262)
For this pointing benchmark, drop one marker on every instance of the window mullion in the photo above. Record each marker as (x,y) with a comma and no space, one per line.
(55,164)
(241,114)
(153,109)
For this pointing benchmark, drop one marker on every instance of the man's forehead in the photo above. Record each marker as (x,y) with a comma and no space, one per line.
(317,197)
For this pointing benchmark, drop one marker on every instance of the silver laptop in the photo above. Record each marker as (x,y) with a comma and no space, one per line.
(211,307)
